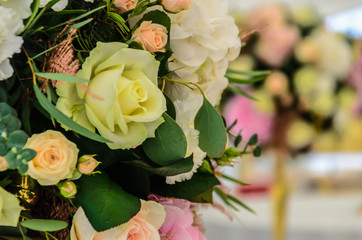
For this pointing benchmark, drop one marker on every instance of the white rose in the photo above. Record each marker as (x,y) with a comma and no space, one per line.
(10,25)
(22,7)
(204,39)
(186,111)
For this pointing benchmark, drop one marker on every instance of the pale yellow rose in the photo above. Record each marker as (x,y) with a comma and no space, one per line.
(151,36)
(9,209)
(56,157)
(122,100)
(176,5)
(143,226)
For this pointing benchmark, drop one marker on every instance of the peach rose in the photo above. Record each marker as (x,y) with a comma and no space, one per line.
(152,36)
(87,164)
(143,226)
(176,5)
(125,5)
(56,157)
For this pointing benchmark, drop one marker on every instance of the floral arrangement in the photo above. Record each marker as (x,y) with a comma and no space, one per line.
(108,117)
(311,99)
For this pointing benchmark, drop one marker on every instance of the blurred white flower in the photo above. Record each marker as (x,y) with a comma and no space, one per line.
(204,39)
(185,113)
(10,25)
(22,7)
(328,51)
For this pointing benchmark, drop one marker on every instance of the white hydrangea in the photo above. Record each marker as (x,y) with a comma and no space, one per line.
(10,25)
(204,39)
(22,7)
(185,114)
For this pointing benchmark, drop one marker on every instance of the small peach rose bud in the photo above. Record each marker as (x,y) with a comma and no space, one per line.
(87,164)
(152,36)
(125,5)
(3,164)
(68,189)
(176,5)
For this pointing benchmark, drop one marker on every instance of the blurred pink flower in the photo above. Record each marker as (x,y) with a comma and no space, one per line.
(250,119)
(356,81)
(267,14)
(276,43)
(179,220)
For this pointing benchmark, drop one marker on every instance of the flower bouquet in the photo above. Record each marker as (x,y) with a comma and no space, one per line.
(108,122)
(311,100)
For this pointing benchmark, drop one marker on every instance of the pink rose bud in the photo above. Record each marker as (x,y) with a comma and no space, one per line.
(87,164)
(176,5)
(68,189)
(125,5)
(3,164)
(152,36)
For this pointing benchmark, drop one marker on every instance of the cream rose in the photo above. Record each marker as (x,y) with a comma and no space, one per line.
(176,5)
(152,36)
(143,226)
(122,100)
(56,157)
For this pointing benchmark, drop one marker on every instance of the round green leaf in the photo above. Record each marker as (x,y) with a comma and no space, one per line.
(17,139)
(105,203)
(169,144)
(212,137)
(44,225)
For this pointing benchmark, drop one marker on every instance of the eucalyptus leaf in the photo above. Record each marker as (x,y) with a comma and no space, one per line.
(60,117)
(44,225)
(17,139)
(168,145)
(62,77)
(105,203)
(212,137)
(171,110)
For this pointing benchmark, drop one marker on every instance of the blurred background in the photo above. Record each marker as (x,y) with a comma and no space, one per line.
(308,116)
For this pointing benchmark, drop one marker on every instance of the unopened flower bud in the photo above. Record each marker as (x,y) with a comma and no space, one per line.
(68,189)
(3,164)
(176,5)
(87,164)
(232,152)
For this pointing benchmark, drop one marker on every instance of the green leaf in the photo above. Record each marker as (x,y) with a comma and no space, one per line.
(240,92)
(17,139)
(81,24)
(105,203)
(119,20)
(62,77)
(44,225)
(169,144)
(11,159)
(253,140)
(5,109)
(171,110)
(249,73)
(63,119)
(27,154)
(234,180)
(232,125)
(2,95)
(140,7)
(238,139)
(199,183)
(179,167)
(245,81)
(237,201)
(212,137)
(205,197)
(257,151)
